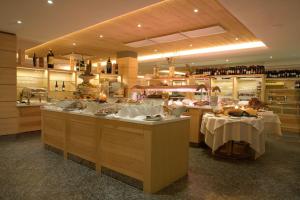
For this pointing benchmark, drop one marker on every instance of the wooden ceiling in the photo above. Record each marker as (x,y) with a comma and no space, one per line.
(163,18)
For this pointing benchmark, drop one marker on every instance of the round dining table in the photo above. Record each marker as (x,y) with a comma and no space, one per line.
(221,129)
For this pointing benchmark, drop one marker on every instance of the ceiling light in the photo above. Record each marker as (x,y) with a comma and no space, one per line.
(139,25)
(271,57)
(100,36)
(236,38)
(50,2)
(155,50)
(141,43)
(74,44)
(200,32)
(19,22)
(227,60)
(169,38)
(231,47)
(195,10)
(191,45)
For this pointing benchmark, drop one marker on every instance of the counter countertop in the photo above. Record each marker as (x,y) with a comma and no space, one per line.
(29,105)
(137,120)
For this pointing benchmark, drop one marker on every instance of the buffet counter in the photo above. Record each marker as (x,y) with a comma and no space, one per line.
(155,153)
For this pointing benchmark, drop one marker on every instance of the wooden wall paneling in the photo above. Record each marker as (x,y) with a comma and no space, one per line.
(8,76)
(8,42)
(8,110)
(8,126)
(7,59)
(8,93)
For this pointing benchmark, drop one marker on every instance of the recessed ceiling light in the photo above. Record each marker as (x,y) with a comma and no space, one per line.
(19,22)
(271,57)
(139,25)
(101,36)
(191,45)
(155,50)
(74,44)
(227,60)
(236,38)
(50,2)
(196,10)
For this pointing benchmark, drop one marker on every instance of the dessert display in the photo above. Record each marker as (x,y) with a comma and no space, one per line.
(85,89)
(256,104)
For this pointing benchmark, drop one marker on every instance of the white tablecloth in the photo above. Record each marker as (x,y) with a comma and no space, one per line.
(272,124)
(220,130)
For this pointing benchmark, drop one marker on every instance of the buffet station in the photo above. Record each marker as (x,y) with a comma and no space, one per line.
(146,135)
(136,140)
(139,139)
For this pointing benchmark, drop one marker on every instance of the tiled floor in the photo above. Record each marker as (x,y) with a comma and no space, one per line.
(28,171)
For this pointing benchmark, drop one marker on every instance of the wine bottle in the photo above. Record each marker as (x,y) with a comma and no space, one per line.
(77,66)
(50,59)
(82,65)
(116,68)
(63,86)
(56,86)
(34,60)
(108,66)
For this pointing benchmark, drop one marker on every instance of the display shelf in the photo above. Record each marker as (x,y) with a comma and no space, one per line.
(249,87)
(31,68)
(284,99)
(225,84)
(62,71)
(30,78)
(282,79)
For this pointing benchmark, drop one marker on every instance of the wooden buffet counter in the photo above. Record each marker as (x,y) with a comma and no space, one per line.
(196,113)
(156,153)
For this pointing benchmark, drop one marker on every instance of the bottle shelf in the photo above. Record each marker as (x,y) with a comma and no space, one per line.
(283,79)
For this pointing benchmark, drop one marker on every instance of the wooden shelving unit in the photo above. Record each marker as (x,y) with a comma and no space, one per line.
(46,78)
(284,99)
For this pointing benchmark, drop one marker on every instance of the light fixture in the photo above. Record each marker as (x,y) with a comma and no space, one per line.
(223,48)
(236,38)
(100,36)
(19,22)
(195,10)
(74,44)
(50,2)
(176,72)
(139,25)
(227,60)
(271,57)
(191,45)
(155,50)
